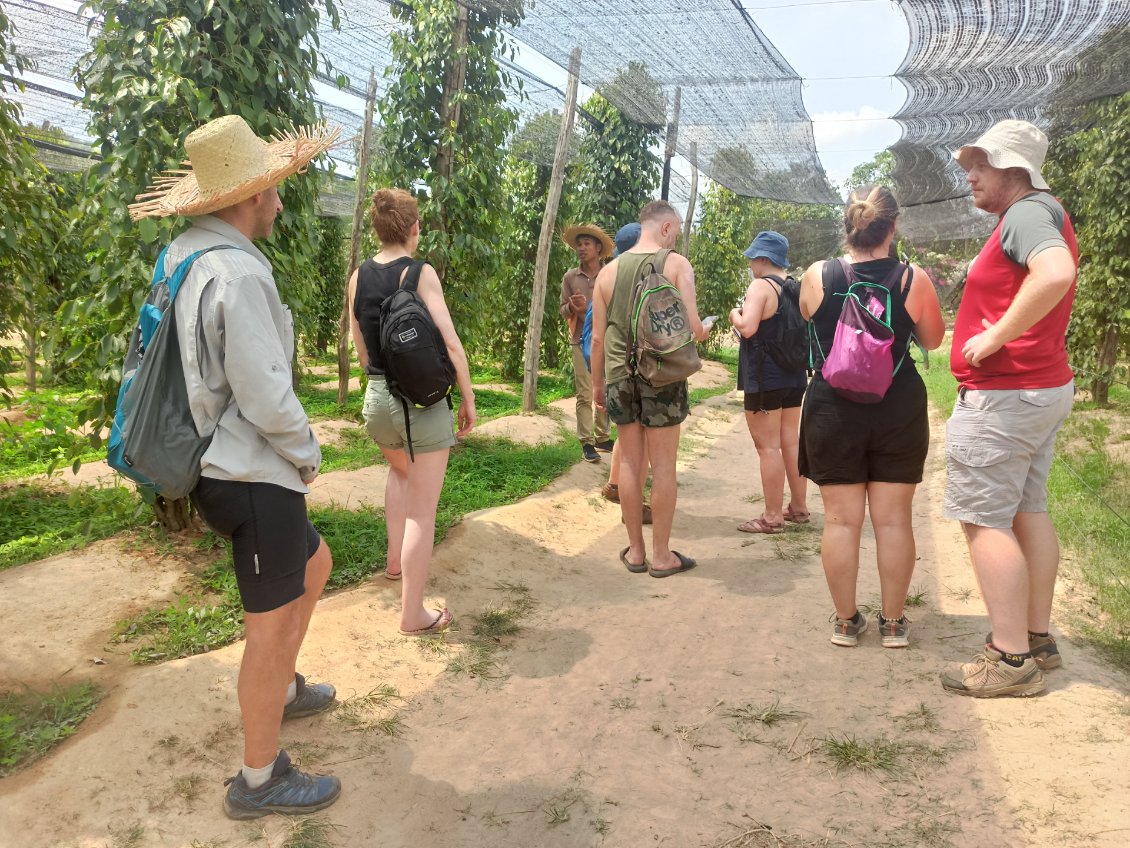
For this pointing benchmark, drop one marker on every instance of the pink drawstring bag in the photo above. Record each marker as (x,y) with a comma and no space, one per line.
(860,365)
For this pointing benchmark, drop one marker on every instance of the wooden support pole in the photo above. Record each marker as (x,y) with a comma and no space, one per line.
(694,197)
(672,137)
(362,183)
(450,113)
(545,243)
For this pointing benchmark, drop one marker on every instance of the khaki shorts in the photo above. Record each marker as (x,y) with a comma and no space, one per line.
(432,428)
(633,401)
(999,449)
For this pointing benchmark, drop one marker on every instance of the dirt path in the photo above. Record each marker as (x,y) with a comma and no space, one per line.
(624,713)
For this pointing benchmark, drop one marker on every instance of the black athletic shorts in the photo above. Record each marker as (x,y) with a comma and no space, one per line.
(844,442)
(271,537)
(773,399)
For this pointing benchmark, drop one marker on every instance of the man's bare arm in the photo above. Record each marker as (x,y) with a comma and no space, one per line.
(1050,275)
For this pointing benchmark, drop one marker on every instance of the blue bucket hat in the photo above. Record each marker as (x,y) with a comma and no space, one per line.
(626,238)
(773,246)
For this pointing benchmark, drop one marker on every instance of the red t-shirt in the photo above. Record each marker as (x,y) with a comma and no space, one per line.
(1038,358)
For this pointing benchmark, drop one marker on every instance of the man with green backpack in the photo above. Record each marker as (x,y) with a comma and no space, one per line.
(644,327)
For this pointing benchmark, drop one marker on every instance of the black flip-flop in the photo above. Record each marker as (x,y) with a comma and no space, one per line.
(685,564)
(634,567)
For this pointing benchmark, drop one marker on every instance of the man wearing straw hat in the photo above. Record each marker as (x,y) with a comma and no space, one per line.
(592,244)
(1016,388)
(236,341)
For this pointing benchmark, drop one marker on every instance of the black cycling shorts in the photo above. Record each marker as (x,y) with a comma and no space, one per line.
(773,400)
(271,537)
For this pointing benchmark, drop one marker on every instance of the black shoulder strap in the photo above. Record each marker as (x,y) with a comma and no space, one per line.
(411,279)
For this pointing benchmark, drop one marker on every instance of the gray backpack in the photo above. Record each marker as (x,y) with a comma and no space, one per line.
(662,348)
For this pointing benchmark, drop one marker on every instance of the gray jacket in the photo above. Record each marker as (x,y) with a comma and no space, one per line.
(236,341)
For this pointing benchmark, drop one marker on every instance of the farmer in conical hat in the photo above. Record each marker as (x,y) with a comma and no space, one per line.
(236,340)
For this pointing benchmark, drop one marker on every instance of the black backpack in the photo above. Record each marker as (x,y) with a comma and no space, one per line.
(789,348)
(416,365)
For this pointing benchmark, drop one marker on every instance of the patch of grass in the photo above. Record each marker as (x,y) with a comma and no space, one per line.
(321,404)
(188,786)
(359,541)
(623,704)
(941,387)
(353,449)
(499,620)
(373,712)
(916,597)
(32,723)
(184,629)
(311,832)
(867,755)
(768,715)
(513,471)
(922,717)
(476,661)
(38,521)
(126,835)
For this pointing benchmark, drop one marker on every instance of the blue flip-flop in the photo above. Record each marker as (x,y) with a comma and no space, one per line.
(685,564)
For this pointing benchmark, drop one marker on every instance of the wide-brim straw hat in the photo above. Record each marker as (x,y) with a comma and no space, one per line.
(229,164)
(606,245)
(1011,144)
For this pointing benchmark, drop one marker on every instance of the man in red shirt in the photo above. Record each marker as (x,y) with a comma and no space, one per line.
(1010,358)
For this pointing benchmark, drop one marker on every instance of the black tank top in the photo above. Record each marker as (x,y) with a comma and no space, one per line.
(872,271)
(375,282)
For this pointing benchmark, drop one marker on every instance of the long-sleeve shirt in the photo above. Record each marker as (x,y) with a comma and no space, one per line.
(574,282)
(236,340)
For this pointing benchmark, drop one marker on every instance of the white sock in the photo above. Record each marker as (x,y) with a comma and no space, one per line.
(256,777)
(291,692)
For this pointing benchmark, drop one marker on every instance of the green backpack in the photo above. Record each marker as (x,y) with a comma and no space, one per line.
(662,350)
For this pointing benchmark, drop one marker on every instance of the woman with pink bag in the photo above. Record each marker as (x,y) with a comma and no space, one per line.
(867,457)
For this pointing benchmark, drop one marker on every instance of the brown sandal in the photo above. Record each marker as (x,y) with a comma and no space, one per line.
(797,517)
(760,525)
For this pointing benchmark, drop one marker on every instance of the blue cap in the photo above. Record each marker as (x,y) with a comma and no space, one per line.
(773,246)
(626,238)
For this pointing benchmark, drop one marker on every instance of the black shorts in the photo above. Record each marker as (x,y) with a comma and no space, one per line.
(773,399)
(842,442)
(271,537)
(632,401)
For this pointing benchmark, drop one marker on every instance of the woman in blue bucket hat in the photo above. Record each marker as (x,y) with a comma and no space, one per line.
(772,395)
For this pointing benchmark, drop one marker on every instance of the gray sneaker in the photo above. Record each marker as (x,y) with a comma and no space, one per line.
(288,791)
(308,700)
(894,632)
(1043,648)
(845,632)
(989,676)
(589,453)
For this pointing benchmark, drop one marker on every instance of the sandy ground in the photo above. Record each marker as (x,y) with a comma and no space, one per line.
(621,713)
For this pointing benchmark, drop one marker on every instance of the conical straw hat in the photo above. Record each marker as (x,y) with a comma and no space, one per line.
(230,164)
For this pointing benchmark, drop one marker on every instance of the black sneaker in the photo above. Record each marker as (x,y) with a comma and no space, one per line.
(308,700)
(589,453)
(288,791)
(605,446)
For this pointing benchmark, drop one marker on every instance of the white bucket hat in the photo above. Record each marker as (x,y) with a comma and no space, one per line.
(230,164)
(1011,144)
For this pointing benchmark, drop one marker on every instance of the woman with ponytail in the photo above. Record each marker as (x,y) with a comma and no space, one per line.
(868,457)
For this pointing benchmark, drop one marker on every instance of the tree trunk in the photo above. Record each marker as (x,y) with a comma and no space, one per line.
(31,346)
(450,109)
(545,243)
(693,199)
(672,140)
(174,516)
(362,180)
(1108,358)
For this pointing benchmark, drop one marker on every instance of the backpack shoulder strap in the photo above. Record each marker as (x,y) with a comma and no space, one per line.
(660,259)
(181,271)
(411,280)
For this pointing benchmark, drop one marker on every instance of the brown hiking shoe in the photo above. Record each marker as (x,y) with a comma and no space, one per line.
(610,492)
(646,514)
(1043,648)
(989,676)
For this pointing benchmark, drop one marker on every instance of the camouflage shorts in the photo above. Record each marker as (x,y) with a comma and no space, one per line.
(633,401)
